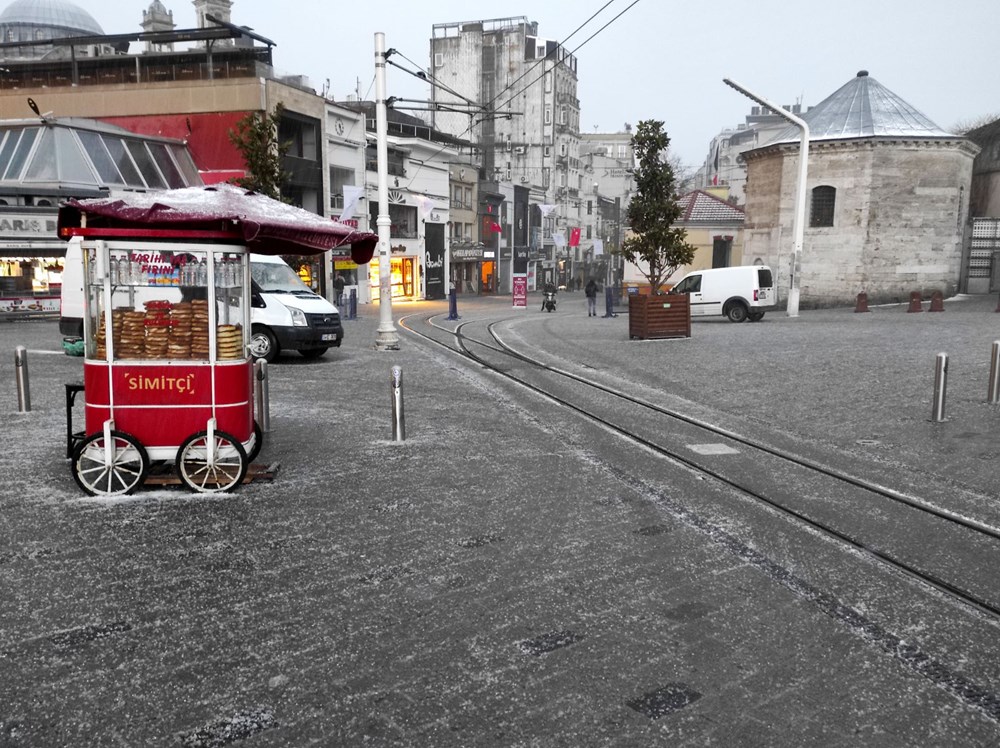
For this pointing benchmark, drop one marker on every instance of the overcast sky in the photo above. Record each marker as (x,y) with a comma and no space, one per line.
(661,59)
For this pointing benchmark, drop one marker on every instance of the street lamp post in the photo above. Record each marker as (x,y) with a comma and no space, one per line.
(386,338)
(798,226)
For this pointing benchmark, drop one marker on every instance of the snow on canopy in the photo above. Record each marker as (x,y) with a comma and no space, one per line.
(267,226)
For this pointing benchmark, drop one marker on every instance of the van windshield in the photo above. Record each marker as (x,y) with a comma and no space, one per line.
(277,278)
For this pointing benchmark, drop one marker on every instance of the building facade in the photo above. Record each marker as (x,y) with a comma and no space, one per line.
(887,200)
(712,225)
(520,91)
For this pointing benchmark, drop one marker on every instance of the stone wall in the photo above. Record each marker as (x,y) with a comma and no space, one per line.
(899,215)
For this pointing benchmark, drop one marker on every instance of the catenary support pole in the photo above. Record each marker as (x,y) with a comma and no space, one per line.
(386,337)
(940,386)
(398,421)
(23,384)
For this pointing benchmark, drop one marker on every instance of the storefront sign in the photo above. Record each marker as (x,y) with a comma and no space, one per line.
(30,305)
(467,254)
(520,291)
(13,225)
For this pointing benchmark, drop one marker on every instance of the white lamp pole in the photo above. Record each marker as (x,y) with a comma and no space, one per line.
(798,227)
(386,338)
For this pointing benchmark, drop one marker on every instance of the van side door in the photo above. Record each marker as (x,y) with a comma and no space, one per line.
(691,285)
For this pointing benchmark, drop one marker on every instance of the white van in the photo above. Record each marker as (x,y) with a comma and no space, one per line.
(738,293)
(285,314)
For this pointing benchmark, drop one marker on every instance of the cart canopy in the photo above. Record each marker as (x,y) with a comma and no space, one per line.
(266,226)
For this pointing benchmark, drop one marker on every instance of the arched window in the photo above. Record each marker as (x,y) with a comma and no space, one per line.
(824,199)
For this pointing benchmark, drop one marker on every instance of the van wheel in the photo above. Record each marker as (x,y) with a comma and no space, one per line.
(737,312)
(313,352)
(263,344)
(756,316)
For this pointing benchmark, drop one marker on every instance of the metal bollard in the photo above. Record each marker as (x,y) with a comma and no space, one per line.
(262,393)
(940,386)
(994,389)
(398,421)
(23,384)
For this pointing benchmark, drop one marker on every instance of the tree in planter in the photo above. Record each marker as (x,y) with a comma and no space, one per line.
(256,138)
(656,247)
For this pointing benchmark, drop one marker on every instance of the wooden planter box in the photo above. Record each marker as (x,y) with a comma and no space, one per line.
(659,317)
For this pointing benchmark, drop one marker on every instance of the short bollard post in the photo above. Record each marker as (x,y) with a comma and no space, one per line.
(916,303)
(23,385)
(994,390)
(937,302)
(398,421)
(609,303)
(352,304)
(940,386)
(453,304)
(862,303)
(263,395)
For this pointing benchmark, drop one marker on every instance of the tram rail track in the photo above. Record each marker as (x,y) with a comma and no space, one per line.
(976,538)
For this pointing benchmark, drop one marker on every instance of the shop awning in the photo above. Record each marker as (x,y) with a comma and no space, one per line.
(267,226)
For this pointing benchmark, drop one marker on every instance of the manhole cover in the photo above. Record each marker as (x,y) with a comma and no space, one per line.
(664,701)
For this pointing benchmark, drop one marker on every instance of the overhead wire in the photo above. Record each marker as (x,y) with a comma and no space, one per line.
(424,75)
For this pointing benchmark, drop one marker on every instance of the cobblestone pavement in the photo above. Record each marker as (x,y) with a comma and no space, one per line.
(507,576)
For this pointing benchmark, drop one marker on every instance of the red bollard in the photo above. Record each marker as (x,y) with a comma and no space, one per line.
(937,302)
(915,302)
(862,305)
(998,304)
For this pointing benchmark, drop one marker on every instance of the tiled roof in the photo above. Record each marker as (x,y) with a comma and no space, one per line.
(702,207)
(862,108)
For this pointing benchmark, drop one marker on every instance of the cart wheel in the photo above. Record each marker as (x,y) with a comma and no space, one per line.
(228,471)
(258,442)
(127,471)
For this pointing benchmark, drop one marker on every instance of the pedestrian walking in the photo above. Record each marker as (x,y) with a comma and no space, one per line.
(338,289)
(591,291)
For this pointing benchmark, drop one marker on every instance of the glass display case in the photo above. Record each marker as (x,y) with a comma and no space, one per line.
(160,305)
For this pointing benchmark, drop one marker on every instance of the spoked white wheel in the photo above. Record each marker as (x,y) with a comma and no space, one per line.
(98,476)
(223,472)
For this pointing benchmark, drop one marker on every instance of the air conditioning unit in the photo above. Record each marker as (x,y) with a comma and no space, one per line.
(521,150)
(524,180)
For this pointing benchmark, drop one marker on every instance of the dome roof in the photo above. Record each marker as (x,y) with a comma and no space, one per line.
(56,14)
(862,108)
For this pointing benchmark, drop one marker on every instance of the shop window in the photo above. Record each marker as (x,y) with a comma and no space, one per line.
(824,199)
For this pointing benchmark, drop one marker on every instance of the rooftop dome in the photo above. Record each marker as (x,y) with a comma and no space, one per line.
(862,108)
(56,14)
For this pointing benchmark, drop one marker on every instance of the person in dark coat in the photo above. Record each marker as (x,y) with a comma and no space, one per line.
(591,291)
(338,289)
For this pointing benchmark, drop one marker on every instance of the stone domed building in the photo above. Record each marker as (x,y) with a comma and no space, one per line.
(887,199)
(42,20)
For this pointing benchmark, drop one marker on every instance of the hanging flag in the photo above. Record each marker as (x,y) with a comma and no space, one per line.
(598,247)
(351,196)
(496,228)
(547,210)
(424,204)
(559,238)
(574,237)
